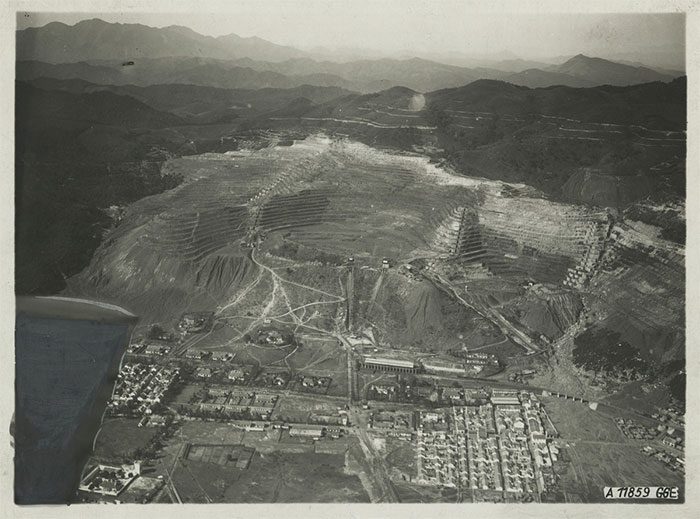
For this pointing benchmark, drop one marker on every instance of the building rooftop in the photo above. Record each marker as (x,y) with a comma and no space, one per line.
(389,362)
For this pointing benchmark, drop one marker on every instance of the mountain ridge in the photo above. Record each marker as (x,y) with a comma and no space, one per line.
(57,42)
(170,51)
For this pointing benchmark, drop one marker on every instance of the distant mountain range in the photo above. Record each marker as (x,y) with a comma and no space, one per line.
(176,70)
(246,73)
(95,39)
(101,53)
(375,75)
(657,105)
(200,104)
(601,71)
(583,71)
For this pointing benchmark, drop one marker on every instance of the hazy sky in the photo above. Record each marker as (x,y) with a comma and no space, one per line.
(418,27)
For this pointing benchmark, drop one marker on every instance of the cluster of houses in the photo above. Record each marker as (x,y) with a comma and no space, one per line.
(671,416)
(674,462)
(270,337)
(238,374)
(313,384)
(672,440)
(202,372)
(441,450)
(453,395)
(398,423)
(671,445)
(479,358)
(340,419)
(274,379)
(636,431)
(155,420)
(197,354)
(526,458)
(499,446)
(382,392)
(461,396)
(195,322)
(482,443)
(153,348)
(140,387)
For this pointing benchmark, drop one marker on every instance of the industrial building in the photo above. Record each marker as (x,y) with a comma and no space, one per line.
(311,431)
(386,364)
(505,400)
(443,366)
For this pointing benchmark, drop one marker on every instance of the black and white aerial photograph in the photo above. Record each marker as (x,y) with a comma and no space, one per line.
(355,252)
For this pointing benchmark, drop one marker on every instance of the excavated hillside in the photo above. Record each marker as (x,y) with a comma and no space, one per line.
(329,236)
(601,146)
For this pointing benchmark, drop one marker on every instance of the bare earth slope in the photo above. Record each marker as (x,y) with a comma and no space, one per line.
(266,235)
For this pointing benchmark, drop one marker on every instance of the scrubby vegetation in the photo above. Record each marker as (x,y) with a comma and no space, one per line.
(603,352)
(672,225)
(69,171)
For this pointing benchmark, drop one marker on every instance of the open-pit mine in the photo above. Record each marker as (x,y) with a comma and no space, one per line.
(330,237)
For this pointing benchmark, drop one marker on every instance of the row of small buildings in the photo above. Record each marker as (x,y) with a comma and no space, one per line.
(237,400)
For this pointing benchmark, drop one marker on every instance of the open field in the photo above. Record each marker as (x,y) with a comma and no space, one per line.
(271,478)
(413,493)
(210,432)
(632,397)
(141,490)
(297,408)
(400,455)
(322,358)
(575,421)
(594,466)
(318,355)
(600,455)
(273,475)
(119,438)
